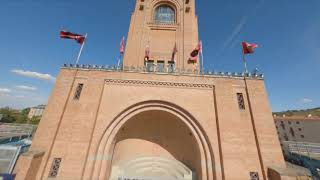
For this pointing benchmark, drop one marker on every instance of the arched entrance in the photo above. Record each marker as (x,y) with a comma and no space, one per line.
(154,132)
(155,145)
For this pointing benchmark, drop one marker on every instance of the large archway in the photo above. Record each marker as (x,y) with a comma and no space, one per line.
(121,133)
(155,145)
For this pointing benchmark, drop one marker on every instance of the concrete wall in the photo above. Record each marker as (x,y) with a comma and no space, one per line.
(305,129)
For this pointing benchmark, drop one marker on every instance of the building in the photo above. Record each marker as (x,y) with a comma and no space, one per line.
(36,111)
(158,117)
(14,140)
(299,135)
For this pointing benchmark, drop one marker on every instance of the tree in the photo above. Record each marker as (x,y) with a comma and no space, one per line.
(35,120)
(7,118)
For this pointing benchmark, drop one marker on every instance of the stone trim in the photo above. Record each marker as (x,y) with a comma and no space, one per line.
(159,83)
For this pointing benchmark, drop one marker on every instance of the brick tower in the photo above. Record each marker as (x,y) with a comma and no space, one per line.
(162,25)
(158,117)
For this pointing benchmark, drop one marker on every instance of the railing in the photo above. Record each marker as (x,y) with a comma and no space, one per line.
(177,71)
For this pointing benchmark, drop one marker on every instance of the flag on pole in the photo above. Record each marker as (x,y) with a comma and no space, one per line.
(248,48)
(68,35)
(147,53)
(122,47)
(174,52)
(195,53)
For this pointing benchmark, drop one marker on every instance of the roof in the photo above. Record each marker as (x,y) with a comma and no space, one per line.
(296,118)
(40,107)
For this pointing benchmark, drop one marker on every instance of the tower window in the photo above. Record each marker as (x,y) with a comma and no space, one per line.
(164,14)
(160,66)
(241,101)
(171,67)
(55,167)
(78,92)
(149,66)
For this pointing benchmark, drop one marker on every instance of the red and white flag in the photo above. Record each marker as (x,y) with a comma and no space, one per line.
(122,47)
(248,48)
(195,53)
(68,35)
(174,51)
(147,53)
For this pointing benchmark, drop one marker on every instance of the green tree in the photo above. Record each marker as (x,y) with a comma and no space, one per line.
(35,120)
(8,118)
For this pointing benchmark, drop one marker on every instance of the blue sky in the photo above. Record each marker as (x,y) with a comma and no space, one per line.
(287,32)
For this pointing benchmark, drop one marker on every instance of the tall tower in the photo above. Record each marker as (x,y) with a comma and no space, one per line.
(160,25)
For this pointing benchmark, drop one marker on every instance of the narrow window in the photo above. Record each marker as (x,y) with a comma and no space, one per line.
(283,126)
(149,66)
(241,101)
(292,132)
(286,138)
(55,167)
(171,67)
(160,66)
(78,92)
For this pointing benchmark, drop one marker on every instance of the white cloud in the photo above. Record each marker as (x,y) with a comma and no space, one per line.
(4,90)
(36,75)
(26,88)
(306,100)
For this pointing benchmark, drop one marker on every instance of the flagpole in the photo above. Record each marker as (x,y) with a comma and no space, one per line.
(202,61)
(78,58)
(245,63)
(119,61)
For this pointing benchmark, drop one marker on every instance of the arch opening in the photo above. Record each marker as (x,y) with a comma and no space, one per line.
(155,145)
(101,168)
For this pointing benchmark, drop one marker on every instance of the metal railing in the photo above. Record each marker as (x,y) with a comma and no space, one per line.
(176,71)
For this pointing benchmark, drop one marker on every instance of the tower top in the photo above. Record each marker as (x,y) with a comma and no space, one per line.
(162,35)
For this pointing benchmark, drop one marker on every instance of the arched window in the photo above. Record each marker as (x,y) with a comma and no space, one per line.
(164,14)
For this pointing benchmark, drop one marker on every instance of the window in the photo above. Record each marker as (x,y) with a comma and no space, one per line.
(149,66)
(241,101)
(160,66)
(302,136)
(78,92)
(171,67)
(297,122)
(300,129)
(55,167)
(285,136)
(283,126)
(164,14)
(289,122)
(254,176)
(292,132)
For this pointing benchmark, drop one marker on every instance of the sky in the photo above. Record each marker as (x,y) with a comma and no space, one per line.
(287,32)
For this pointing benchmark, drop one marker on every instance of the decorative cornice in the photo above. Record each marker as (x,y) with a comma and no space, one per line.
(159,83)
